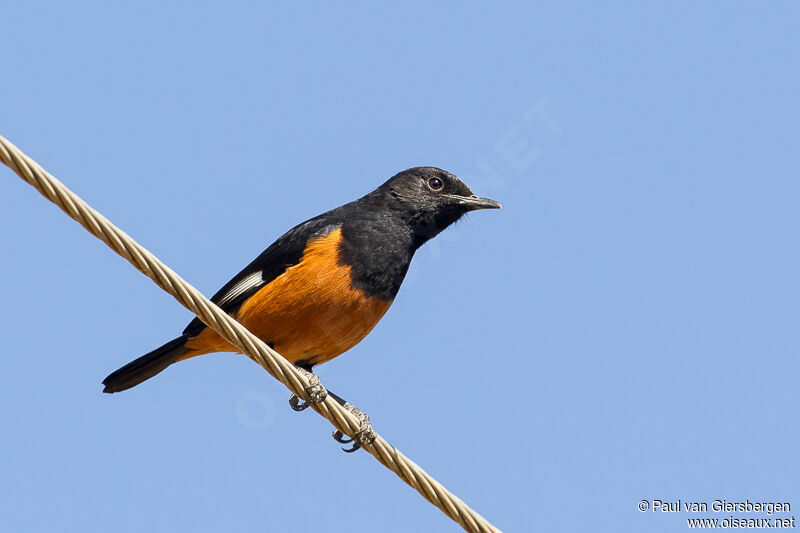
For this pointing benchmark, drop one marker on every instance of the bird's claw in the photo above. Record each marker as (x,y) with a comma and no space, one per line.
(365,434)
(339,437)
(315,393)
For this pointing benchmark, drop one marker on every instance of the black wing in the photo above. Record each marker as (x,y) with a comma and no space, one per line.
(282,254)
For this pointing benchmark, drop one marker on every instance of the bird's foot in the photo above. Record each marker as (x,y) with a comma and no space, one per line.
(365,434)
(315,393)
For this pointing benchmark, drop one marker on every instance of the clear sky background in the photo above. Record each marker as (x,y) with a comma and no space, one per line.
(625,329)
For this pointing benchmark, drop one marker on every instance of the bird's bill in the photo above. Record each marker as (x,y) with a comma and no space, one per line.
(475,202)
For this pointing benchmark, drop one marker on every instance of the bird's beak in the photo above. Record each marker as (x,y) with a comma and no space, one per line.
(474,202)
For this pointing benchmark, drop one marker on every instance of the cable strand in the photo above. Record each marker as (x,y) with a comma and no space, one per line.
(236,334)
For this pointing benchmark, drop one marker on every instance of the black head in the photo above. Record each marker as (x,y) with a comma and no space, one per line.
(430,199)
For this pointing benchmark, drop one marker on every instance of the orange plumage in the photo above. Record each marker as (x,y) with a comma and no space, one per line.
(310,314)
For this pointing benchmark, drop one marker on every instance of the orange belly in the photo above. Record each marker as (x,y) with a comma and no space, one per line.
(310,313)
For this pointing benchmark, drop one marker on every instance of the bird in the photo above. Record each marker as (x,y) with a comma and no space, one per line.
(322,286)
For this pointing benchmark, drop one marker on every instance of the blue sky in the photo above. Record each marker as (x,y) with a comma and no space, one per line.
(625,329)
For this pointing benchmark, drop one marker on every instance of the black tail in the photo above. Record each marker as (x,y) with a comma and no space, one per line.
(146,366)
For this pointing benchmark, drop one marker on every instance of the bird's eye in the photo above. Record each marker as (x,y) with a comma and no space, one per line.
(435,184)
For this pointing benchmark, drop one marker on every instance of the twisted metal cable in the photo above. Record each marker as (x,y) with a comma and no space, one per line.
(236,334)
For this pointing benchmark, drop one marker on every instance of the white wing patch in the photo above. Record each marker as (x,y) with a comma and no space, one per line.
(256,279)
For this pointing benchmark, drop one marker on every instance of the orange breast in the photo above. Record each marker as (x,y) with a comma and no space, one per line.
(310,313)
